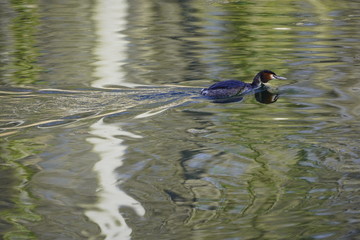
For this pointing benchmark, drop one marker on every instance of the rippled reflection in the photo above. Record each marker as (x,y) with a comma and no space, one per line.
(106,212)
(267,95)
(111,48)
(111,53)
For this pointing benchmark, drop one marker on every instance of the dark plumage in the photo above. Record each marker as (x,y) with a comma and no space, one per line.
(231,88)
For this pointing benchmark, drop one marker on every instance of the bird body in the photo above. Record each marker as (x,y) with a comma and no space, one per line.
(226,88)
(231,88)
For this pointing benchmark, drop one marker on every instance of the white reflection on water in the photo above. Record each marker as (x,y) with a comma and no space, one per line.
(111,46)
(110,20)
(110,197)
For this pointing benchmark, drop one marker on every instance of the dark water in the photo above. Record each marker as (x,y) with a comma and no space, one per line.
(104,135)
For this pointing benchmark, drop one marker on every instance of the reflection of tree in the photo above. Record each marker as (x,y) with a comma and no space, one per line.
(194,36)
(162,49)
(15,201)
(24,33)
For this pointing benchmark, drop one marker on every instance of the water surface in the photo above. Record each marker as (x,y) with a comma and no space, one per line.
(104,134)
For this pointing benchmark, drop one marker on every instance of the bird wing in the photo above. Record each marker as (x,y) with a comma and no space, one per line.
(227,84)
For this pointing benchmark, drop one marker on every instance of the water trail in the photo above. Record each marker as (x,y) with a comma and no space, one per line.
(46,108)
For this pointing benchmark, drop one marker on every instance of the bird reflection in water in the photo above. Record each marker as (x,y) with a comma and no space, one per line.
(265,95)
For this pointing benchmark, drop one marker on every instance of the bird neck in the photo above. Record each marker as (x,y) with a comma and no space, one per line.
(256,81)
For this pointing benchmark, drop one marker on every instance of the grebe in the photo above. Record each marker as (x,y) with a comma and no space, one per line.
(231,88)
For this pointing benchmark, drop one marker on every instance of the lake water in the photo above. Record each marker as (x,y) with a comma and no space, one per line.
(103,134)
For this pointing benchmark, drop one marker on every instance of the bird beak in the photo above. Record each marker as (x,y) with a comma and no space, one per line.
(278,77)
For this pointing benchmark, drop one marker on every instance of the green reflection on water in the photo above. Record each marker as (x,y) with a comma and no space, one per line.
(231,40)
(23,66)
(16,206)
